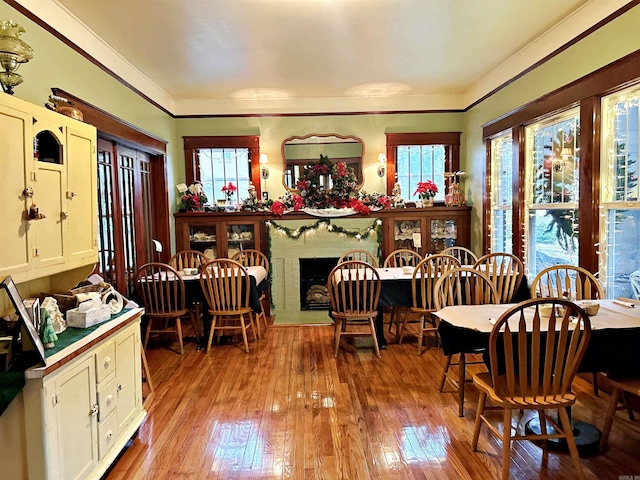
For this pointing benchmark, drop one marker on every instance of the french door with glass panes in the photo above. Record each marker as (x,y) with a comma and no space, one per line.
(125,215)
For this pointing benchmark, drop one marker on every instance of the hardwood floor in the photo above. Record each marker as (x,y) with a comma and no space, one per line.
(289,410)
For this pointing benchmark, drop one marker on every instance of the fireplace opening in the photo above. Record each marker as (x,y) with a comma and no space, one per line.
(314,273)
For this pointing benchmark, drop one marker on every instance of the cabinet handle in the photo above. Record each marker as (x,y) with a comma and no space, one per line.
(70,195)
(94,410)
(64,214)
(121,386)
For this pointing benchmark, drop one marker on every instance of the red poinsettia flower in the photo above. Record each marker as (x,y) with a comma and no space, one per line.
(229,187)
(277,208)
(359,207)
(298,202)
(426,189)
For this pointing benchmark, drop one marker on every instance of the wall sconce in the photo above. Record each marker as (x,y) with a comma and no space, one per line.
(13,53)
(382,164)
(264,170)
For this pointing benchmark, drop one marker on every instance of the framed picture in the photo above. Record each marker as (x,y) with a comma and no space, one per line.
(25,320)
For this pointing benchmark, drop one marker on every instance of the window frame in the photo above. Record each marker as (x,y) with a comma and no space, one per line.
(451,141)
(250,142)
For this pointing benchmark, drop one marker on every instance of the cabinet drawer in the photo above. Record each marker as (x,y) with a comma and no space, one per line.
(105,361)
(107,396)
(107,434)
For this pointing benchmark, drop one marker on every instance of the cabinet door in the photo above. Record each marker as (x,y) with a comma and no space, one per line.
(242,236)
(128,377)
(15,146)
(49,188)
(75,412)
(82,202)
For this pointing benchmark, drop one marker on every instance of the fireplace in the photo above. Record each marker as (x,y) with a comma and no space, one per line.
(286,253)
(314,273)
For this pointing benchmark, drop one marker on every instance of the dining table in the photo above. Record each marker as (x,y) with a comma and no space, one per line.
(613,347)
(396,292)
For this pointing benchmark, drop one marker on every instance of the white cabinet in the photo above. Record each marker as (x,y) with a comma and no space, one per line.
(47,160)
(79,416)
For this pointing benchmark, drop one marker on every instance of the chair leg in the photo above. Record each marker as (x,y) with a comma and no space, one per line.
(478,424)
(571,441)
(401,327)
(506,444)
(542,418)
(194,325)
(179,330)
(421,333)
(608,422)
(244,333)
(594,377)
(214,318)
(147,332)
(445,371)
(462,375)
(372,327)
(627,403)
(336,337)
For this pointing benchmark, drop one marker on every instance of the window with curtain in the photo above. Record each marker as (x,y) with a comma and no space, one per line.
(620,202)
(215,161)
(501,226)
(418,157)
(551,192)
(219,166)
(419,163)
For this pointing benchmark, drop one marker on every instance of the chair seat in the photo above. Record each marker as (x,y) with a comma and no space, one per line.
(499,396)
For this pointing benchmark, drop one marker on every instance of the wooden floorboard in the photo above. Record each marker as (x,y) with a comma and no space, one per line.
(289,410)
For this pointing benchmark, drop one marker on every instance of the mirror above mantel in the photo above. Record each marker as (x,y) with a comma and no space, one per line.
(298,151)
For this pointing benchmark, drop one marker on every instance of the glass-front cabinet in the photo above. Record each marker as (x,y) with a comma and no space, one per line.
(427,230)
(217,236)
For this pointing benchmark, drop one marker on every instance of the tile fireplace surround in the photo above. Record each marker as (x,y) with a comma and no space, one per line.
(286,253)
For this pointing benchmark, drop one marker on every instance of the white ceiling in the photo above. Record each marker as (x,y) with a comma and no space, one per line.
(243,56)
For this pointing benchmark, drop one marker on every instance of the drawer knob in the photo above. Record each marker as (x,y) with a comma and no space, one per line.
(107,362)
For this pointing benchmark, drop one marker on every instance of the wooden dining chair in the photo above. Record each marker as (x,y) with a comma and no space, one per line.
(505,270)
(191,259)
(571,282)
(533,361)
(354,291)
(162,293)
(188,259)
(463,286)
(226,284)
(255,258)
(423,281)
(464,255)
(620,386)
(401,257)
(361,256)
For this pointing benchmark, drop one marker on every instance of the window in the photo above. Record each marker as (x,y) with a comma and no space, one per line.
(620,203)
(216,161)
(551,192)
(219,166)
(418,157)
(501,217)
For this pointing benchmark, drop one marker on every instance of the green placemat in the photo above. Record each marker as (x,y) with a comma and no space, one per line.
(71,334)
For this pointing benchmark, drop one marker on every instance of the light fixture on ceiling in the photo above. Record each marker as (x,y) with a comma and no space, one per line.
(264,170)
(13,53)
(382,164)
